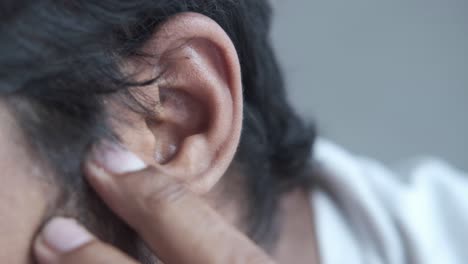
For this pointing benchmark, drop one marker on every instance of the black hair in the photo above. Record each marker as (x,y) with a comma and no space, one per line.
(60,59)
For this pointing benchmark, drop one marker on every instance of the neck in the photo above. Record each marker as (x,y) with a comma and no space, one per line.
(296,243)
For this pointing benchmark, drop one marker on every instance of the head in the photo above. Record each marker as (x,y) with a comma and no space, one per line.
(191,86)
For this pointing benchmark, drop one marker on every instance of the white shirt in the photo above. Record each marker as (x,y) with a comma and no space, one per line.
(366,213)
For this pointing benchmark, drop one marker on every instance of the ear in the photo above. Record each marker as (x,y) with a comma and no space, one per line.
(194,130)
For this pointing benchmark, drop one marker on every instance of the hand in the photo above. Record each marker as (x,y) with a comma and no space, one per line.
(176,224)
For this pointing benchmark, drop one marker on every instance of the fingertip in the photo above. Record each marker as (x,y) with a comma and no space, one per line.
(115,158)
(42,253)
(60,236)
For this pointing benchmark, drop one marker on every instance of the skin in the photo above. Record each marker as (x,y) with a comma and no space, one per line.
(178,225)
(29,193)
(24,193)
(187,148)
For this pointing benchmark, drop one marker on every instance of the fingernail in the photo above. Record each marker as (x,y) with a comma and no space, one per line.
(64,235)
(116,159)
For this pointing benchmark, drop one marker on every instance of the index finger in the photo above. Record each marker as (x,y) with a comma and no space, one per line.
(174,222)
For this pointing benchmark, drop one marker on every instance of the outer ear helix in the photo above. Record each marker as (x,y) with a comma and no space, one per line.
(196,129)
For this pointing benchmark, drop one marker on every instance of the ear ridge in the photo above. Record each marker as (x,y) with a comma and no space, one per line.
(197,129)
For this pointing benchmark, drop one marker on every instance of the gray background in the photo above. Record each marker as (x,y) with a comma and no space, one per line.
(387,79)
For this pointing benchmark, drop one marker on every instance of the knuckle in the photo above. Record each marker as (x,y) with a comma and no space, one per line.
(163,194)
(257,259)
(248,254)
(252,258)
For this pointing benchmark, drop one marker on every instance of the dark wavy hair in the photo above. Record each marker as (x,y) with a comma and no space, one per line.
(59,60)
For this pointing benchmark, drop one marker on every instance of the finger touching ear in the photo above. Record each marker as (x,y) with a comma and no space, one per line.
(195,129)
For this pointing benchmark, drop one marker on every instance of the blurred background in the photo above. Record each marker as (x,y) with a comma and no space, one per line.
(386,79)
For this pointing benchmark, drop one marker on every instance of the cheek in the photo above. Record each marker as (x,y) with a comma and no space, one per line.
(22,207)
(24,193)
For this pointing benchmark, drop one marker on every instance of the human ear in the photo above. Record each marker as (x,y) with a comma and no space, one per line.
(195,127)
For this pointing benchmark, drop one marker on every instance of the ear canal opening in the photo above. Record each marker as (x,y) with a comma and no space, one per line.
(170,153)
(166,144)
(182,115)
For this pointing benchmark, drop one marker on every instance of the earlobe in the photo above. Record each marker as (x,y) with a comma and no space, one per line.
(196,131)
